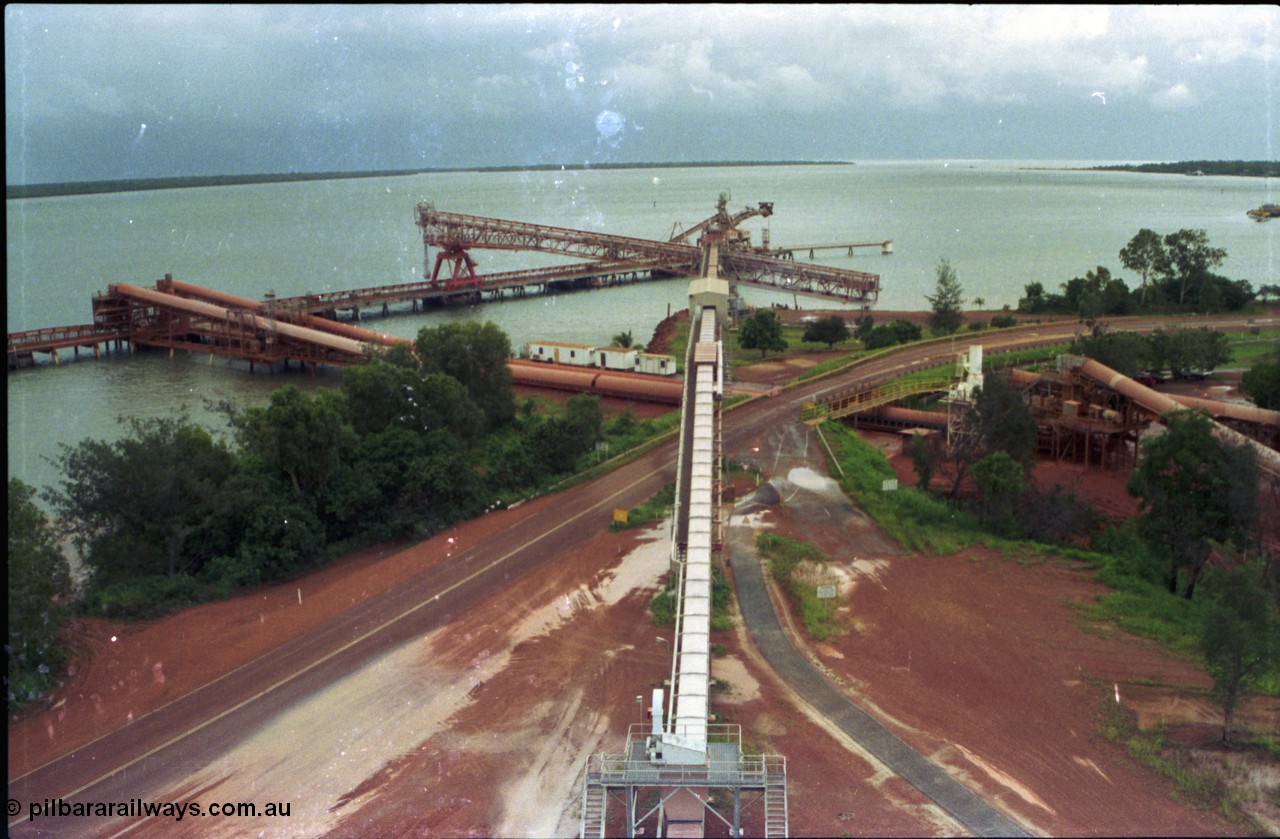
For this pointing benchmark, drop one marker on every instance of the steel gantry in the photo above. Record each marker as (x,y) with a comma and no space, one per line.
(453,235)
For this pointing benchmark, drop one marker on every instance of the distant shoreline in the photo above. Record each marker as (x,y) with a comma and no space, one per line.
(193,182)
(1233,168)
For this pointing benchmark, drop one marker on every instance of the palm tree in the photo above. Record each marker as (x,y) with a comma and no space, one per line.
(623,339)
(979,302)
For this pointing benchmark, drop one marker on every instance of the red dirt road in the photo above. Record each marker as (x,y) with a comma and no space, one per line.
(481,725)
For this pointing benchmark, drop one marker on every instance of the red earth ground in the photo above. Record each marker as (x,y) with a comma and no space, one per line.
(982,662)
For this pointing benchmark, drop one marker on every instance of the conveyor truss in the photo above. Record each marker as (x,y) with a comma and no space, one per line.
(680,754)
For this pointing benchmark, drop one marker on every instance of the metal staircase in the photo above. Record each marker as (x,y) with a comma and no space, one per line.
(775,804)
(594,802)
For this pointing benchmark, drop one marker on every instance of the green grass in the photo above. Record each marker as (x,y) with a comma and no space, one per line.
(830,365)
(1149,611)
(680,344)
(1268,744)
(1247,348)
(788,559)
(918,521)
(1027,356)
(1204,789)
(655,509)
(662,609)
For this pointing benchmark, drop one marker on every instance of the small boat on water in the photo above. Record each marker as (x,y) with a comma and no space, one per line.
(1266,211)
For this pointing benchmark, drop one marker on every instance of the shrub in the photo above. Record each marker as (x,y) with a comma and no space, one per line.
(145,597)
(663,608)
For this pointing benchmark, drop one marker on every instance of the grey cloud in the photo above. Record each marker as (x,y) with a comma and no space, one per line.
(327,87)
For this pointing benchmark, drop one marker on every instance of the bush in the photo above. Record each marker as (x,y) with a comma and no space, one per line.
(145,597)
(1056,516)
(663,608)
(786,559)
(879,338)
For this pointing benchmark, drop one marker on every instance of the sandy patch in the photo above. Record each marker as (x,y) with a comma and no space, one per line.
(335,740)
(639,569)
(743,687)
(815,482)
(1006,780)
(534,802)
(849,573)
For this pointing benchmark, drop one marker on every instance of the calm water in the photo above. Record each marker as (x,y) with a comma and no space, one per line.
(1001,224)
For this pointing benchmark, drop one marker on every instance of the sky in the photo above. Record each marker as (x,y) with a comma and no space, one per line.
(112,92)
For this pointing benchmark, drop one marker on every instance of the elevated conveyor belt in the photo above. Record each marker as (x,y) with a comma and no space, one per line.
(182,316)
(1159,403)
(686,736)
(290,314)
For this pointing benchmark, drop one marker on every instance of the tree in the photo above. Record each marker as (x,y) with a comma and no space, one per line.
(1096,293)
(146,504)
(830,331)
(1261,383)
(762,331)
(1186,351)
(863,325)
(299,436)
(379,393)
(1238,637)
(879,337)
(1145,254)
(1189,259)
(583,420)
(39,581)
(1124,352)
(1194,490)
(1035,300)
(999,420)
(1216,293)
(1000,479)
(946,301)
(476,355)
(905,331)
(924,458)
(1003,421)
(624,340)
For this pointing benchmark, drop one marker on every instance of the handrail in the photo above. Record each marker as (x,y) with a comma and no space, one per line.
(871,397)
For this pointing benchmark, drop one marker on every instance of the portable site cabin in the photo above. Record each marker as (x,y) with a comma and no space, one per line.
(658,365)
(616,358)
(560,352)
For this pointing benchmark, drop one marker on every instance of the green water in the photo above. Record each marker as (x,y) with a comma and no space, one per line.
(1001,224)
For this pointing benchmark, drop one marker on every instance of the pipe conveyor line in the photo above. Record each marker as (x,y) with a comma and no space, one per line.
(347,346)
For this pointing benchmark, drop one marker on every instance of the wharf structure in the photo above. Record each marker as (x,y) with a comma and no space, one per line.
(294,328)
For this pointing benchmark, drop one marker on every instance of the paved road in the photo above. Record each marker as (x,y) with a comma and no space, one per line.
(974,814)
(144,757)
(172,742)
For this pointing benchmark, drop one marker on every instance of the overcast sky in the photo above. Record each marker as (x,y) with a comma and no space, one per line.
(107,92)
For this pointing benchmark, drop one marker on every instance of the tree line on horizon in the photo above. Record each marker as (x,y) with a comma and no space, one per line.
(1239,168)
(53,189)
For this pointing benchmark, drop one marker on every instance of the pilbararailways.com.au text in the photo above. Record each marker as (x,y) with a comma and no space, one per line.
(137,808)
